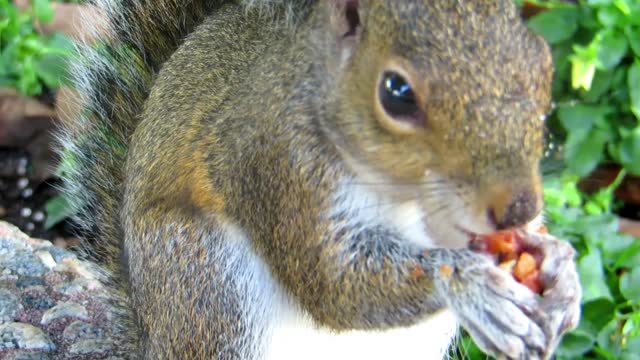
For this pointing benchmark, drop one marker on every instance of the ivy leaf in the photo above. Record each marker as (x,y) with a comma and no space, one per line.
(633,81)
(596,315)
(584,152)
(57,209)
(609,338)
(575,344)
(629,152)
(630,285)
(612,16)
(612,47)
(592,278)
(581,118)
(555,25)
(43,10)
(633,36)
(583,66)
(620,251)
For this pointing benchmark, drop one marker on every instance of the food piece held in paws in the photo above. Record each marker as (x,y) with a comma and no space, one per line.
(533,282)
(512,255)
(524,267)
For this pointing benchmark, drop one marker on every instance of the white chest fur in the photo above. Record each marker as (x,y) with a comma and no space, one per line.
(298,339)
(294,336)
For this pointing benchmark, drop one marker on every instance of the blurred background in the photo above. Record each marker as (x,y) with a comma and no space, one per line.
(591,169)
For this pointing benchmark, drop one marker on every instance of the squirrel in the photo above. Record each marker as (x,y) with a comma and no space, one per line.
(289,179)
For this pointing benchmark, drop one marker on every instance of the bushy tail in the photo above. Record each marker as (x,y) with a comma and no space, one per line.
(112,80)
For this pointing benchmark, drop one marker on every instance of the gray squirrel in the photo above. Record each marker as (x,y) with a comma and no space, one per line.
(290,179)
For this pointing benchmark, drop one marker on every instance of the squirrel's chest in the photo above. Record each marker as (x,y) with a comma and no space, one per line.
(297,338)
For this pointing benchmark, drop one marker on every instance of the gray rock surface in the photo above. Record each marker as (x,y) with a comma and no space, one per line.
(9,305)
(65,309)
(21,336)
(53,305)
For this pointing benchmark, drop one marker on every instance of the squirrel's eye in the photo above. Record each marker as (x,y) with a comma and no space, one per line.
(396,96)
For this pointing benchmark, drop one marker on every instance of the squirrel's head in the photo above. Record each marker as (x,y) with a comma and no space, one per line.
(445,100)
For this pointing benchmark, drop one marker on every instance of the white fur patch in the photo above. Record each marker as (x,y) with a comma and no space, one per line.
(298,338)
(365,206)
(292,333)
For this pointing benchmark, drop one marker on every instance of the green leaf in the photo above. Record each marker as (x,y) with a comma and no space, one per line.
(633,36)
(43,10)
(612,47)
(555,25)
(584,152)
(630,285)
(583,67)
(629,153)
(600,85)
(575,345)
(596,315)
(57,209)
(609,338)
(51,68)
(619,250)
(581,118)
(611,16)
(592,277)
(633,81)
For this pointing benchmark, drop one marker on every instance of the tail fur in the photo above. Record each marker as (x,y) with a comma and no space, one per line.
(113,80)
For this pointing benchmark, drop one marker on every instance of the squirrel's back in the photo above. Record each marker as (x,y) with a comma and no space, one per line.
(113,80)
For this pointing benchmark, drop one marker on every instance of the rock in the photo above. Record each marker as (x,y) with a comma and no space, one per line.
(38,302)
(59,254)
(24,336)
(87,347)
(9,306)
(80,330)
(22,263)
(56,311)
(77,286)
(46,258)
(30,281)
(66,309)
(28,355)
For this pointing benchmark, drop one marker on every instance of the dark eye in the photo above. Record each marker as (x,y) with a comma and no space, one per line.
(396,96)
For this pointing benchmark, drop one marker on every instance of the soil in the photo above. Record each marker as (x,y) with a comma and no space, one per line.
(27,164)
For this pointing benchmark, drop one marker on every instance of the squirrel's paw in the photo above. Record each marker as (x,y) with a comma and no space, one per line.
(504,317)
(560,302)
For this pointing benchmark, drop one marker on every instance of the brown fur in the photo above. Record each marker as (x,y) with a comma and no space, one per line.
(252,123)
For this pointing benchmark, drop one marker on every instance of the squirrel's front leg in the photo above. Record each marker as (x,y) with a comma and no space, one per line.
(371,277)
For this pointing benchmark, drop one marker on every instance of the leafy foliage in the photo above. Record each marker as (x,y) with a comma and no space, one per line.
(29,61)
(596,50)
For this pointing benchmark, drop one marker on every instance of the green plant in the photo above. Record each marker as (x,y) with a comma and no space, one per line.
(609,267)
(596,50)
(596,89)
(29,61)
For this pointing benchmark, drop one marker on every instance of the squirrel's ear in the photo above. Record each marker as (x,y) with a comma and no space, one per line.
(345,24)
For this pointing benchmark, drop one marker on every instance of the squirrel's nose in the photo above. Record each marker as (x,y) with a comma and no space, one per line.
(516,210)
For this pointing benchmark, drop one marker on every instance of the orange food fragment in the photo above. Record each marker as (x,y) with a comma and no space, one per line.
(509,249)
(542,229)
(525,265)
(446,270)
(417,272)
(503,244)
(533,282)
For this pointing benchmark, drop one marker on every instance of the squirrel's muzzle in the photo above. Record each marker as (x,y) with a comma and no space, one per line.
(511,208)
